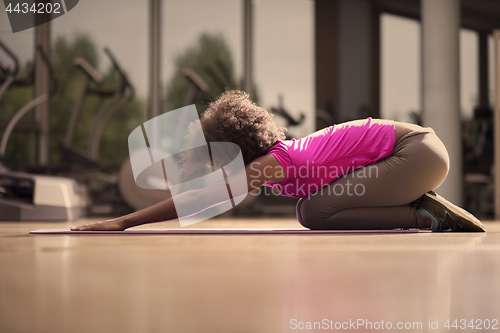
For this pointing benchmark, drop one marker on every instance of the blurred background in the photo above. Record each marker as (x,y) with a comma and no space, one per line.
(312,63)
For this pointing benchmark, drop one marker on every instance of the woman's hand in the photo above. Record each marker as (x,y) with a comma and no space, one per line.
(162,211)
(117,224)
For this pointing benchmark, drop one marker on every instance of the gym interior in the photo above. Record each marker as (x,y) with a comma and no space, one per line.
(76,82)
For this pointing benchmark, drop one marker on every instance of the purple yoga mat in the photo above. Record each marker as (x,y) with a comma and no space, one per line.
(223,232)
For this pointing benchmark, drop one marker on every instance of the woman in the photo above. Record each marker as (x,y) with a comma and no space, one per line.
(364,174)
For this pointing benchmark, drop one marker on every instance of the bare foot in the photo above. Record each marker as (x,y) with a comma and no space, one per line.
(109,225)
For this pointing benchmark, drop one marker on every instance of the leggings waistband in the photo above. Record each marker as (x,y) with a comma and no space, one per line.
(424,130)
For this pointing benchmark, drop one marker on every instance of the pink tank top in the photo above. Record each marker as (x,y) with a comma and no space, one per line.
(318,159)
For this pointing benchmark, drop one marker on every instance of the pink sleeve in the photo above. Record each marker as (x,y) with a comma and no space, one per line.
(280,151)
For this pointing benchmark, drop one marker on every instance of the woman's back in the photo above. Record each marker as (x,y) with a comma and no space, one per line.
(318,159)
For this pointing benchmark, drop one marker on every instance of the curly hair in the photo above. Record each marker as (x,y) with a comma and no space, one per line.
(233,117)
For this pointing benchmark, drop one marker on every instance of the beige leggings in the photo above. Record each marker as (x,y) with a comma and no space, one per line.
(379,196)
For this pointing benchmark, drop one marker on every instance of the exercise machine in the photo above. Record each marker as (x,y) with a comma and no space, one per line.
(25,196)
(84,166)
(285,114)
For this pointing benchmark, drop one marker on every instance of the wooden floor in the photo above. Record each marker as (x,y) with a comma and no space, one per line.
(245,283)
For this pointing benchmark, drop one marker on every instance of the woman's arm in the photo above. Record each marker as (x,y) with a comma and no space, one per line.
(162,211)
(265,169)
(262,170)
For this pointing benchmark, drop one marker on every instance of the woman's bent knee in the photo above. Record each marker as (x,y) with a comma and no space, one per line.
(311,212)
(298,212)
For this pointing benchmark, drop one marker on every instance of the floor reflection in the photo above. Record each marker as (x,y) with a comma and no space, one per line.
(235,283)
